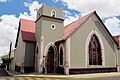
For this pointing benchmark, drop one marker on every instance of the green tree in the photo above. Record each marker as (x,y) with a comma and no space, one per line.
(5,59)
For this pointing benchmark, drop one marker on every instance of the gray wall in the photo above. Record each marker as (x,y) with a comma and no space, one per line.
(119,59)
(51,35)
(38,30)
(19,54)
(29,56)
(78,45)
(44,23)
(46,10)
(44,33)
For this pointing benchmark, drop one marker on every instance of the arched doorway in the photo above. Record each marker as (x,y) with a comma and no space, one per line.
(95,53)
(50,60)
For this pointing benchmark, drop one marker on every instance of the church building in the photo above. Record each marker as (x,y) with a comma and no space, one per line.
(83,46)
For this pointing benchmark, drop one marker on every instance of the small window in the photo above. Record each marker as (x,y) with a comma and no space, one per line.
(39,13)
(53,26)
(37,27)
(53,13)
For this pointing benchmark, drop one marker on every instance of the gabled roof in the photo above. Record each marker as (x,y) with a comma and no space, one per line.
(73,27)
(27,29)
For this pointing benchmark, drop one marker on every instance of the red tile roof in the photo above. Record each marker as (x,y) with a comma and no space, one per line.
(72,27)
(27,28)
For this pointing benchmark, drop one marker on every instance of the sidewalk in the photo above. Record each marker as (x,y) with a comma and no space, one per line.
(93,75)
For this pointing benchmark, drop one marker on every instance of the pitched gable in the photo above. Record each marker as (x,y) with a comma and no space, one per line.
(105,28)
(72,27)
(27,29)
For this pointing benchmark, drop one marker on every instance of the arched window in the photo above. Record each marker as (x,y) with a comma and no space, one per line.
(37,50)
(53,13)
(95,55)
(61,56)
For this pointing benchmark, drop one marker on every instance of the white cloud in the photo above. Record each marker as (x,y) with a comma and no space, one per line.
(66,13)
(8,25)
(105,8)
(33,7)
(113,25)
(70,19)
(4,51)
(4,0)
(26,4)
(56,1)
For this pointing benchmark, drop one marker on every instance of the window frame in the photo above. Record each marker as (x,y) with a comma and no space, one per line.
(52,26)
(61,46)
(53,15)
(94,55)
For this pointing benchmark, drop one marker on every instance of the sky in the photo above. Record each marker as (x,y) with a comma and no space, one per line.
(12,10)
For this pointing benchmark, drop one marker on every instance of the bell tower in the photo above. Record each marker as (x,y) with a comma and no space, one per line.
(49,28)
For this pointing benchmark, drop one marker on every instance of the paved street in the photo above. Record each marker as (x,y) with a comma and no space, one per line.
(98,76)
(105,78)
(31,78)
(3,72)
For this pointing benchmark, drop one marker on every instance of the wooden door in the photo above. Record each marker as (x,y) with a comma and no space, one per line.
(50,62)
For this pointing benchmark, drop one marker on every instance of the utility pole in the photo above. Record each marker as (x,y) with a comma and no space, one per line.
(10,50)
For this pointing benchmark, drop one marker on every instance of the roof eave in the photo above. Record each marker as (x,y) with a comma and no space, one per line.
(106,29)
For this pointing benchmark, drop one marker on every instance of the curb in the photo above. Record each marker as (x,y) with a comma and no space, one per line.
(98,75)
(42,76)
(7,72)
(101,75)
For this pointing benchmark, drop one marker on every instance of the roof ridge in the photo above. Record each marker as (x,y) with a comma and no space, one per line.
(80,18)
(81,23)
(26,20)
